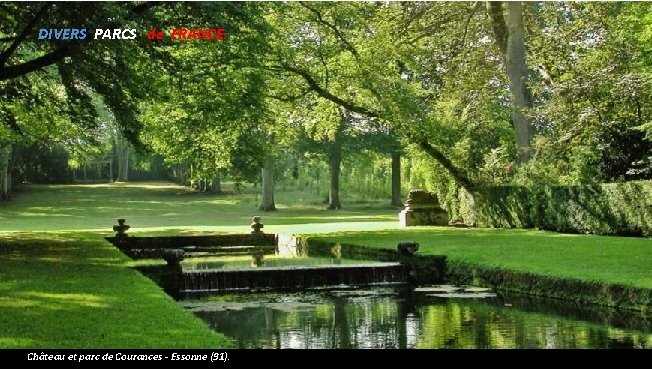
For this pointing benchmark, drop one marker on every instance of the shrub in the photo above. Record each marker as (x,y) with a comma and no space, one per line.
(614,208)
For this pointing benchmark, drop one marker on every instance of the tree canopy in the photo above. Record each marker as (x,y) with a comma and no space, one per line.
(474,93)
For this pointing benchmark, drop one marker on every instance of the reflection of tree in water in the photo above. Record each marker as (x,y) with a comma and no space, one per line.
(407,321)
(457,324)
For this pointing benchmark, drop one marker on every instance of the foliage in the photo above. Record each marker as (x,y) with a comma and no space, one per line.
(592,83)
(210,111)
(614,208)
(426,78)
(41,164)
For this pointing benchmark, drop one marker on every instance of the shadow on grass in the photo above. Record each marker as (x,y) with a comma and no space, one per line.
(148,205)
(74,291)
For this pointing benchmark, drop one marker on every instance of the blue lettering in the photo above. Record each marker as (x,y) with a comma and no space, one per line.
(62,33)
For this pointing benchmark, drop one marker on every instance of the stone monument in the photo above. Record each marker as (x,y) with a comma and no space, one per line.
(422,208)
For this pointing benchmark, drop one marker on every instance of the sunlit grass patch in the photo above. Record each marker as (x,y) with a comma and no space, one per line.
(619,260)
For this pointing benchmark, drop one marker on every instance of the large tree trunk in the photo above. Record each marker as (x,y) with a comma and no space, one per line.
(216,186)
(5,179)
(122,153)
(334,164)
(509,34)
(268,184)
(396,179)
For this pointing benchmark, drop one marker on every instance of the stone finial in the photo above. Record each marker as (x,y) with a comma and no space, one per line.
(121,228)
(173,256)
(256,226)
(407,248)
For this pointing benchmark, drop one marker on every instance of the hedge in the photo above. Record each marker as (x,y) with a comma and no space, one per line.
(581,291)
(610,209)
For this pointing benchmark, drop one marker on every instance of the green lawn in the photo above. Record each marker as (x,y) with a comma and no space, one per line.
(73,290)
(161,206)
(597,258)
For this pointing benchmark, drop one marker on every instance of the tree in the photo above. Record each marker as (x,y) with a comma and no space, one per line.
(593,75)
(509,35)
(267,203)
(214,122)
(334,57)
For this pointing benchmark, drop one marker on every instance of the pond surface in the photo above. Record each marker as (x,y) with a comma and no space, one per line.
(436,317)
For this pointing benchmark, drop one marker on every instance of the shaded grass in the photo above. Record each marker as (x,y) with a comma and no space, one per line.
(73,290)
(618,260)
(149,206)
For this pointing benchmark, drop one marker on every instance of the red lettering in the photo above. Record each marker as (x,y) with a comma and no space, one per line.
(204,33)
(180,33)
(196,34)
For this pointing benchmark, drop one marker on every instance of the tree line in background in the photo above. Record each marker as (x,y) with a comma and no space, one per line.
(359,96)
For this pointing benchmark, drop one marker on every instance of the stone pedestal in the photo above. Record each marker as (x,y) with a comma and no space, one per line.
(422,208)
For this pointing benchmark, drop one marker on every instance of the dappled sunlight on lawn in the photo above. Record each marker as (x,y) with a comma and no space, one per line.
(162,205)
(623,260)
(53,301)
(60,289)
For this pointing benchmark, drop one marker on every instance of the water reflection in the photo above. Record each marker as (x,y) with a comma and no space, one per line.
(387,318)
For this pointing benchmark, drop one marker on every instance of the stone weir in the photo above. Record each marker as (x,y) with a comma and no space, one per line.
(291,278)
(180,283)
(232,244)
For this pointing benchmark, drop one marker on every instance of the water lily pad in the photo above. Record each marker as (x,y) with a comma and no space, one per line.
(293,306)
(480,295)
(477,289)
(357,293)
(442,288)
(210,306)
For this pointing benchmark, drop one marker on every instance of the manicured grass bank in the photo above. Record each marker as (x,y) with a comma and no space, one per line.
(612,271)
(73,290)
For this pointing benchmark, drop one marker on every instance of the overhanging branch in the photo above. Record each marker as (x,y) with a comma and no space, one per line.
(35,64)
(23,35)
(53,57)
(460,177)
(314,86)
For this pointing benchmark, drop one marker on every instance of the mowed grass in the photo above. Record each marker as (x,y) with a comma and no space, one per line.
(160,206)
(73,290)
(617,260)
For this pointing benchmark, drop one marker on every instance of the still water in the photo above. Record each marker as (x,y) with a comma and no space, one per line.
(441,317)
